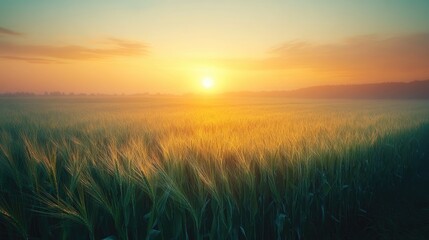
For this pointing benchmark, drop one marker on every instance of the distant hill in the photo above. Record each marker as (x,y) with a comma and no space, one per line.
(394,90)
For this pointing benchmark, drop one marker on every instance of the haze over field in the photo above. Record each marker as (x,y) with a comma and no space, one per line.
(206,120)
(169,47)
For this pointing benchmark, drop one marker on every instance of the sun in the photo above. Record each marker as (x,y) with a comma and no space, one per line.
(207,82)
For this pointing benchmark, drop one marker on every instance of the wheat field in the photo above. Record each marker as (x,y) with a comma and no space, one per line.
(199,168)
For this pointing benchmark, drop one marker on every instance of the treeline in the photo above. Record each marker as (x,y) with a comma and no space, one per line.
(55,93)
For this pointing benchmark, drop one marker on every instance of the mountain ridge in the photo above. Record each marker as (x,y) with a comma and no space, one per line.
(385,90)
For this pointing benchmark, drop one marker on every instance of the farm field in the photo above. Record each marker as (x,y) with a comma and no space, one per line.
(212,168)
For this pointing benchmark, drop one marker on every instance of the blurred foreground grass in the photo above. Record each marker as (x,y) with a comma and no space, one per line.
(208,168)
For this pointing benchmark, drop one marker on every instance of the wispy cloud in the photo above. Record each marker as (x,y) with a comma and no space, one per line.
(8,32)
(357,53)
(32,59)
(360,56)
(50,53)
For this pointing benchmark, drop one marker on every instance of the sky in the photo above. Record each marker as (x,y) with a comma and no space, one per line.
(140,46)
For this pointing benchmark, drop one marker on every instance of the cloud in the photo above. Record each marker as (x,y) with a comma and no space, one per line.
(112,48)
(358,53)
(369,56)
(8,32)
(31,59)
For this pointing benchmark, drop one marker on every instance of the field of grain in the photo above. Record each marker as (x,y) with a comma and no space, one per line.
(200,168)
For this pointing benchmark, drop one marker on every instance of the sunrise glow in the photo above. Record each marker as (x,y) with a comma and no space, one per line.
(207,82)
(81,47)
(226,119)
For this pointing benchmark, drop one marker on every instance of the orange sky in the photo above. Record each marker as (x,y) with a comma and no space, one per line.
(153,46)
